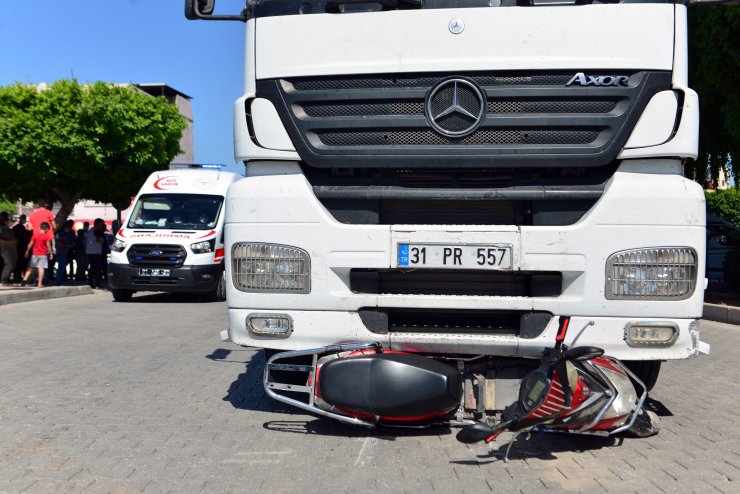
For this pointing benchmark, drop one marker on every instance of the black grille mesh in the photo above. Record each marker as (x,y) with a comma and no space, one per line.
(416,108)
(481,137)
(141,255)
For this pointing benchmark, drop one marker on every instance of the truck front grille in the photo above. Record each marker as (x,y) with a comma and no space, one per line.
(156,255)
(531,119)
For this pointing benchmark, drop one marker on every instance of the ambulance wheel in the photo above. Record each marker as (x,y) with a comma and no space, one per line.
(646,370)
(122,295)
(219,293)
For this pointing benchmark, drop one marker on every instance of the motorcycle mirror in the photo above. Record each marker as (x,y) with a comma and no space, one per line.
(582,353)
(474,433)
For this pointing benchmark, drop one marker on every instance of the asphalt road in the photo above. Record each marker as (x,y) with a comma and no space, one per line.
(99,396)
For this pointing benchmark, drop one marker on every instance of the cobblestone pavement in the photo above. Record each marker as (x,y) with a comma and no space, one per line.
(99,396)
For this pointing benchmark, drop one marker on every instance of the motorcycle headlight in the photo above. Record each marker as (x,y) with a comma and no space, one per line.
(118,245)
(259,267)
(661,273)
(202,247)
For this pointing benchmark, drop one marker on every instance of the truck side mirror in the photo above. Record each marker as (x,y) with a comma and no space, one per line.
(203,9)
(195,9)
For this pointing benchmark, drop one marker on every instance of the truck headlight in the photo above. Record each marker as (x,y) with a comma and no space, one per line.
(203,247)
(259,267)
(118,245)
(660,273)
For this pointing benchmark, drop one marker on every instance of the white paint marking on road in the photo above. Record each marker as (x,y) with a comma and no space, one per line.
(264,452)
(362,449)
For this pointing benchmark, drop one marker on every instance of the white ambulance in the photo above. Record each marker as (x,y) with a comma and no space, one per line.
(172,239)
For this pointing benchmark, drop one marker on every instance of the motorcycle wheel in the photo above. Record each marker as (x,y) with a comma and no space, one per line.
(646,370)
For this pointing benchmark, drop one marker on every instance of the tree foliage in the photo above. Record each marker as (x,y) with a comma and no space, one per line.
(714,73)
(72,141)
(6,205)
(725,204)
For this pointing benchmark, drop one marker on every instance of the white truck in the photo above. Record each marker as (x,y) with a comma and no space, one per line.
(451,177)
(172,238)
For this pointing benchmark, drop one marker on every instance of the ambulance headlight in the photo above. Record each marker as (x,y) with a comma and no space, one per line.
(661,273)
(658,333)
(118,245)
(202,247)
(260,268)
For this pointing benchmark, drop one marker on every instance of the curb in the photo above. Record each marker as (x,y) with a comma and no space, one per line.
(722,313)
(30,294)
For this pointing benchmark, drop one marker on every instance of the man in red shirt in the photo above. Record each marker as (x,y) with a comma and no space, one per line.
(41,245)
(41,215)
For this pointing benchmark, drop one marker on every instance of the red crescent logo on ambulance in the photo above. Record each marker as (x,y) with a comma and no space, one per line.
(166,183)
(120,232)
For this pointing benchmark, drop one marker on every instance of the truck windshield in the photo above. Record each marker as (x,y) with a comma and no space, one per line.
(176,212)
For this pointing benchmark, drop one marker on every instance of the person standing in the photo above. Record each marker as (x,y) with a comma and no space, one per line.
(41,247)
(43,215)
(65,243)
(8,248)
(23,236)
(80,248)
(95,252)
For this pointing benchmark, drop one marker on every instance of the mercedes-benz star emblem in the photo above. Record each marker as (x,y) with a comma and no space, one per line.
(456,26)
(455,107)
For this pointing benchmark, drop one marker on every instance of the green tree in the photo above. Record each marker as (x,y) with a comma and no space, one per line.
(725,204)
(6,205)
(73,141)
(714,73)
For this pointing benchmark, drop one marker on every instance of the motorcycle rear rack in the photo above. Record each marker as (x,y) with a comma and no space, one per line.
(273,388)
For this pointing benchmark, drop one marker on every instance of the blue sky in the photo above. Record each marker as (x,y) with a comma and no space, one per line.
(133,41)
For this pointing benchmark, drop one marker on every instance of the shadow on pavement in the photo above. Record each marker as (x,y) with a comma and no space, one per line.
(168,298)
(657,407)
(543,447)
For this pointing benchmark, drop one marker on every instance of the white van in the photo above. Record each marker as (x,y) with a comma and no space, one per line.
(172,239)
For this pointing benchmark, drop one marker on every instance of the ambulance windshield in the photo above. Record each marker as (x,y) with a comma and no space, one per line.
(176,212)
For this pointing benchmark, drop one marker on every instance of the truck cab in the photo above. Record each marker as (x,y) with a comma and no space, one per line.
(451,178)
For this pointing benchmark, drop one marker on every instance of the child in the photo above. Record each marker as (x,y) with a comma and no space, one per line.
(41,243)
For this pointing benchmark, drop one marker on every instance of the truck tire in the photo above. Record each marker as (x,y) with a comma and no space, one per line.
(122,295)
(646,370)
(219,293)
(288,377)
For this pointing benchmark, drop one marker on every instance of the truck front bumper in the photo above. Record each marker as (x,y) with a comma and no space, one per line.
(646,204)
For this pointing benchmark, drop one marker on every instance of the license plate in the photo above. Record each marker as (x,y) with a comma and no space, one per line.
(153,272)
(493,256)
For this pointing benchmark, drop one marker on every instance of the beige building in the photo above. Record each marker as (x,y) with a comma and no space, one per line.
(182,101)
